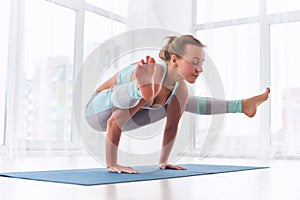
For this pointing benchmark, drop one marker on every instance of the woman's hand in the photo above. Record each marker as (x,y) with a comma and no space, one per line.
(122,169)
(169,166)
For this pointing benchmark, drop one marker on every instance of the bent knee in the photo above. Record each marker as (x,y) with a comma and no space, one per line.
(113,123)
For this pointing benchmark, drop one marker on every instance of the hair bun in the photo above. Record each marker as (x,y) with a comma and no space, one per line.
(176,46)
(164,53)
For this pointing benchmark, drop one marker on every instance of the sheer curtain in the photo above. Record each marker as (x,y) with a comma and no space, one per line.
(254,45)
(48,41)
(286,98)
(99,25)
(4,37)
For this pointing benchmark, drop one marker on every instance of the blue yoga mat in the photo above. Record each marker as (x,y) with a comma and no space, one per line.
(100,176)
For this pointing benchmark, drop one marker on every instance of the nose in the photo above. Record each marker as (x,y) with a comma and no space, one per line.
(199,69)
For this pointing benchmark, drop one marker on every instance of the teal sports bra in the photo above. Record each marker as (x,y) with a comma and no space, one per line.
(124,76)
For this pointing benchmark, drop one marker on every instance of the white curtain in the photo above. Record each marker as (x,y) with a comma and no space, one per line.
(48,40)
(254,45)
(4,24)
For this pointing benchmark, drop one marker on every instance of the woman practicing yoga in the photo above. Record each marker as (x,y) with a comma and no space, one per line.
(146,92)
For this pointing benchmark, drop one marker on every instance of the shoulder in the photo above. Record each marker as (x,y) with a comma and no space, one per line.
(180,97)
(181,91)
(182,87)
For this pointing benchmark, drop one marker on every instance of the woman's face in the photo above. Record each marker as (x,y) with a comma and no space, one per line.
(190,65)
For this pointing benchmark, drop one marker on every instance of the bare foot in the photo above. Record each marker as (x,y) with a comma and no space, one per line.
(144,74)
(250,105)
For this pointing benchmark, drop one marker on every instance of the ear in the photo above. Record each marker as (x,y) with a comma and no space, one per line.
(174,60)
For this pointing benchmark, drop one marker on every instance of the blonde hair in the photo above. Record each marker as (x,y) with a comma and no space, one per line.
(176,46)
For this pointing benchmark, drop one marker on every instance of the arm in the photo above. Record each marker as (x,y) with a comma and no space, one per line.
(107,84)
(174,113)
(114,131)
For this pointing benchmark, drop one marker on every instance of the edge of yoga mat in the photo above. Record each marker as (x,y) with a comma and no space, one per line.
(100,176)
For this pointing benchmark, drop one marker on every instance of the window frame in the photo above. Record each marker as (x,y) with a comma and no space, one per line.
(14,140)
(2,131)
(265,21)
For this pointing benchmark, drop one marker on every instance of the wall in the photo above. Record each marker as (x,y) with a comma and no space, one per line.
(167,14)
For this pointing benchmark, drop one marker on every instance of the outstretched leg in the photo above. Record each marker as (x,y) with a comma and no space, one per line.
(211,106)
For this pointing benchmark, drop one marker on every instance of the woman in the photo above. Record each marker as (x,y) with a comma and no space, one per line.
(143,93)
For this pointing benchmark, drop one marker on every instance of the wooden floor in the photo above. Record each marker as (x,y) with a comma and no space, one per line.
(280,182)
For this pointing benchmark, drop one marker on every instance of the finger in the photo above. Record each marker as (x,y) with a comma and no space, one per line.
(181,168)
(110,170)
(142,61)
(118,170)
(162,166)
(171,167)
(178,167)
(130,171)
(134,172)
(175,167)
(113,169)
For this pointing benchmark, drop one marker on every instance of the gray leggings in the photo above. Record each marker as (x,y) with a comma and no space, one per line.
(125,96)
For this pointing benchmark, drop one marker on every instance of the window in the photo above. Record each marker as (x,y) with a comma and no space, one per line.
(104,4)
(285,48)
(220,10)
(49,31)
(4,38)
(116,6)
(95,34)
(236,57)
(257,51)
(45,40)
(276,6)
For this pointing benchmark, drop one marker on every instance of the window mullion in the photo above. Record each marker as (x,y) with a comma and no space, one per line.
(265,120)
(75,4)
(293,16)
(105,13)
(78,58)
(14,75)
(225,23)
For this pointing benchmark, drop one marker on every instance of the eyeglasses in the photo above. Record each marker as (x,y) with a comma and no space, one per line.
(197,63)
